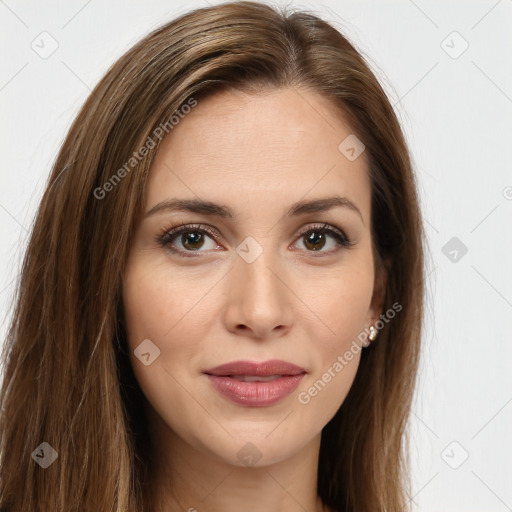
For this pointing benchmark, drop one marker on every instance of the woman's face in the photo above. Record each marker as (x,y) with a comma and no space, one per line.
(262,284)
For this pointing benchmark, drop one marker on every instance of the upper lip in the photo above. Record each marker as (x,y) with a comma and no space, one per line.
(263,369)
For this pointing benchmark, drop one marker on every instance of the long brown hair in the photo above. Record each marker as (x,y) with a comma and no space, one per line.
(67,378)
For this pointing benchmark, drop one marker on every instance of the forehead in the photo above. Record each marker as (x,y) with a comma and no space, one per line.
(274,147)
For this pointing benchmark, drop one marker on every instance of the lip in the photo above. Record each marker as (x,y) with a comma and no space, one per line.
(256,394)
(264,369)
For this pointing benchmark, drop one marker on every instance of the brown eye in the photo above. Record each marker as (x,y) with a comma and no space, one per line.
(192,239)
(316,238)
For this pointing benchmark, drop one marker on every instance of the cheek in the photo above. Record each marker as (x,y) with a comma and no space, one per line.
(173,309)
(159,304)
(340,303)
(340,306)
(145,302)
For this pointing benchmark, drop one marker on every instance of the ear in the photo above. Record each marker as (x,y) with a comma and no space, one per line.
(379,294)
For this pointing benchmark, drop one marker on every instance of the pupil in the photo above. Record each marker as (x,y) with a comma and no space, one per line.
(310,243)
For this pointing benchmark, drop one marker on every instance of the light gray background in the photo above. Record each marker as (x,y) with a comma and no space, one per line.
(456,113)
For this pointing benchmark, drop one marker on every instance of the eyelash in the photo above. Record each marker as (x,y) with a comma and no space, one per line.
(169,233)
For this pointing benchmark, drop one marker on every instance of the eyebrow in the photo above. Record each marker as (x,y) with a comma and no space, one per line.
(209,208)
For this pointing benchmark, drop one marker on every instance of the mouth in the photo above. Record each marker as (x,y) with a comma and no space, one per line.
(253,384)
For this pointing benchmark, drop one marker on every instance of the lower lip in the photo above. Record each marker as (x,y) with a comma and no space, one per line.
(256,394)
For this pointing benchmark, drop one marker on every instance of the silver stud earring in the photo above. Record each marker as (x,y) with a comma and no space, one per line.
(373,333)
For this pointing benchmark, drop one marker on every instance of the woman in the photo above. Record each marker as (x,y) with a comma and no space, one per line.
(221,301)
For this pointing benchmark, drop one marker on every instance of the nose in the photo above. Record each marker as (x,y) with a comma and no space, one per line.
(259,300)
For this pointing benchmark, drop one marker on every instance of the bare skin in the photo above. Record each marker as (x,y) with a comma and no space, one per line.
(302,300)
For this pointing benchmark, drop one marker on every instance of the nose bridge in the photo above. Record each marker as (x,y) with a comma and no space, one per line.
(256,270)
